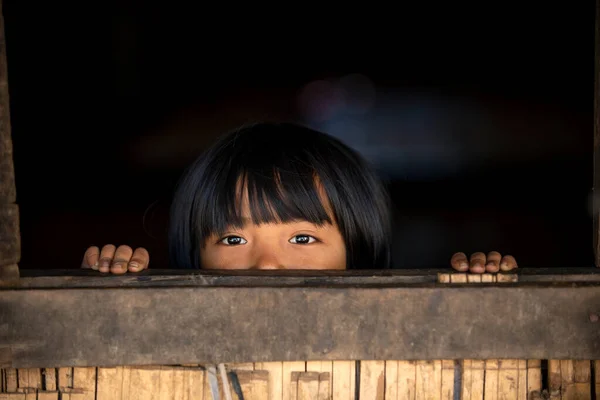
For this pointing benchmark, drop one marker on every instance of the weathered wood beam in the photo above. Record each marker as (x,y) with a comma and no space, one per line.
(10,240)
(322,317)
(81,278)
(596,183)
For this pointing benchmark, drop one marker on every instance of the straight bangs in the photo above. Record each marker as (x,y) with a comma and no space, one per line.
(261,193)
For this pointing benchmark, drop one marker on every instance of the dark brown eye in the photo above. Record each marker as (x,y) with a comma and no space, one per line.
(233,241)
(302,239)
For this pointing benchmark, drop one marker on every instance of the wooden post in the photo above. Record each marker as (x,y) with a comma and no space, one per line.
(596,183)
(10,240)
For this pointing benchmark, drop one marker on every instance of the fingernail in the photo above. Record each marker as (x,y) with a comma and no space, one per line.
(464,265)
(119,266)
(134,266)
(95,266)
(503,265)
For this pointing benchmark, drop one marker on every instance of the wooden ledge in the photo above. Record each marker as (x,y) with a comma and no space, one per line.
(74,278)
(186,318)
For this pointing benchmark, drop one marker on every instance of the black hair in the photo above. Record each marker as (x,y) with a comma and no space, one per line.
(282,166)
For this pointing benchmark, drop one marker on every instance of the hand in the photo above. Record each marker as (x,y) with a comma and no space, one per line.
(116,260)
(479,263)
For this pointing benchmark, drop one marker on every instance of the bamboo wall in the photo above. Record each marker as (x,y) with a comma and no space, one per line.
(389,380)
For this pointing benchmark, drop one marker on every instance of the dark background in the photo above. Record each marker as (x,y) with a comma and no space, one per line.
(481,118)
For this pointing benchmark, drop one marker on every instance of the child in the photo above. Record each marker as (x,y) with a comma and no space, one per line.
(278,196)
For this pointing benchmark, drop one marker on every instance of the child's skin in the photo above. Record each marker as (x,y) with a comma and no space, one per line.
(293,245)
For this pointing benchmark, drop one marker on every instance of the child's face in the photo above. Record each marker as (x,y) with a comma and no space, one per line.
(290,245)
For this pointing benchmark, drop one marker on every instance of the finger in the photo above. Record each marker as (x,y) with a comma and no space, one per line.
(139,260)
(106,256)
(459,262)
(508,263)
(493,261)
(477,263)
(121,259)
(90,258)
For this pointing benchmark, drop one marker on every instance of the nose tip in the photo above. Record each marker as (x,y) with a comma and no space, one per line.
(268,266)
(268,260)
(268,255)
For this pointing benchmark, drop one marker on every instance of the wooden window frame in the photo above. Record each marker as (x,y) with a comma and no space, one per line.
(78,318)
